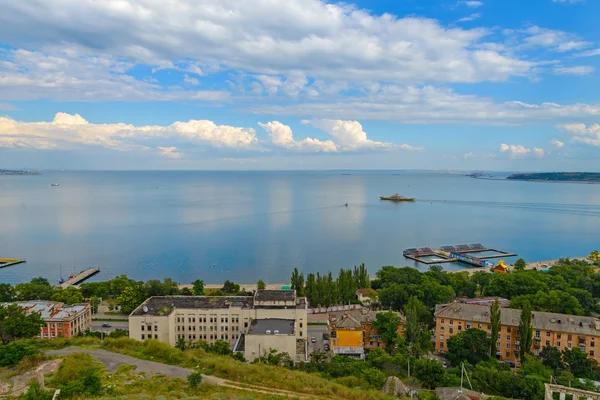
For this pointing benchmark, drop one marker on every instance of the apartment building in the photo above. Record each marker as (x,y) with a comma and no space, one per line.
(61,320)
(212,318)
(549,329)
(352,332)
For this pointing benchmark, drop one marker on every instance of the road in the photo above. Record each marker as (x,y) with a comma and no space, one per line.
(316,331)
(112,361)
(97,326)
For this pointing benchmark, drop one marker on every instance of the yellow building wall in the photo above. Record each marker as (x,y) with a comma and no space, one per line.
(349,338)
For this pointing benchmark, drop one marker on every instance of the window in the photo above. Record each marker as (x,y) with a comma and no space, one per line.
(592,343)
(508,337)
(498,345)
(451,322)
(558,335)
(537,334)
(479,326)
(536,352)
(591,352)
(460,328)
(451,330)
(442,329)
(547,343)
(468,325)
(499,337)
(507,346)
(569,345)
(143,336)
(155,327)
(507,354)
(441,337)
(508,329)
(557,344)
(570,337)
(300,324)
(442,345)
(547,334)
(143,328)
(246,324)
(300,333)
(155,336)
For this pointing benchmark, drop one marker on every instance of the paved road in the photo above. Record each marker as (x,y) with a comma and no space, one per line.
(316,331)
(97,326)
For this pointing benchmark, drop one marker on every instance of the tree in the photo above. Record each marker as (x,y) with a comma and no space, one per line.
(297,282)
(471,345)
(520,264)
(361,277)
(230,287)
(7,292)
(311,290)
(12,353)
(495,325)
(429,372)
(413,328)
(578,363)
(387,327)
(70,295)
(37,289)
(16,324)
(198,287)
(261,285)
(194,380)
(130,298)
(526,331)
(550,357)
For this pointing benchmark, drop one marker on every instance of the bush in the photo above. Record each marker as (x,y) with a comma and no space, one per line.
(12,353)
(194,380)
(78,374)
(36,393)
(162,352)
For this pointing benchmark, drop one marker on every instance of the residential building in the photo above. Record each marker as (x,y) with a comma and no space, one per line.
(367,295)
(352,332)
(61,320)
(549,329)
(265,335)
(212,318)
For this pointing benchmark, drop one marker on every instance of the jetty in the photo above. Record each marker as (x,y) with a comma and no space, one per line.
(80,277)
(7,262)
(465,253)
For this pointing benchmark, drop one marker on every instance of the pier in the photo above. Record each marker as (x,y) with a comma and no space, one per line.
(465,253)
(80,277)
(7,262)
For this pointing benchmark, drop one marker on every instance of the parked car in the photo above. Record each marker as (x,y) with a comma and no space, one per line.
(326,347)
(313,339)
(105,325)
(325,336)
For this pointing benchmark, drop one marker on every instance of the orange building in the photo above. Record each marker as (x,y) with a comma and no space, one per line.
(352,332)
(61,320)
(549,329)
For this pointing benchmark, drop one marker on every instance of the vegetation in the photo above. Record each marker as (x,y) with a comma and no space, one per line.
(261,285)
(495,325)
(471,345)
(325,291)
(526,330)
(12,353)
(387,326)
(558,176)
(15,324)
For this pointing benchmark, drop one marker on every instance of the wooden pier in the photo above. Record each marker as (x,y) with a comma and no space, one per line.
(7,262)
(80,277)
(446,254)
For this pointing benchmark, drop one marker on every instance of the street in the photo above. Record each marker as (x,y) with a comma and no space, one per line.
(97,326)
(316,331)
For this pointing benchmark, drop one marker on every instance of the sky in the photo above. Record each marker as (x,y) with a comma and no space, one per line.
(300,84)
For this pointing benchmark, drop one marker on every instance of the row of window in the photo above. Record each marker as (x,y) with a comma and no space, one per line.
(209,337)
(211,328)
(149,336)
(224,320)
(150,327)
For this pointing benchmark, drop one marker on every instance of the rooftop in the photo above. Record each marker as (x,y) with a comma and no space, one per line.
(509,316)
(50,309)
(275,295)
(164,305)
(353,319)
(366,292)
(261,326)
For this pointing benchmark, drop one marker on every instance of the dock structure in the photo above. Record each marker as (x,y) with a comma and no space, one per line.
(80,277)
(462,253)
(7,262)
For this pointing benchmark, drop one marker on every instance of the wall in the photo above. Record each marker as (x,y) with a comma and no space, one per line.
(281,343)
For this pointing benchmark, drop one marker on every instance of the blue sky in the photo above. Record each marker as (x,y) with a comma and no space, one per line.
(300,84)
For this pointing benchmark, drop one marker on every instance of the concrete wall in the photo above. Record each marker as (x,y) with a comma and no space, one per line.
(256,345)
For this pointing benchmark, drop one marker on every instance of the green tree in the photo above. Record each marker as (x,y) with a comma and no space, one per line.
(413,327)
(7,292)
(70,295)
(578,363)
(495,325)
(130,298)
(16,324)
(12,353)
(297,282)
(526,331)
(198,287)
(361,277)
(261,285)
(311,290)
(37,289)
(520,264)
(429,372)
(221,347)
(387,326)
(230,288)
(471,345)
(551,358)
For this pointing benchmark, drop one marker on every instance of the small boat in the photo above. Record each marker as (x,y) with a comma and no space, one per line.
(397,197)
(54,184)
(346,205)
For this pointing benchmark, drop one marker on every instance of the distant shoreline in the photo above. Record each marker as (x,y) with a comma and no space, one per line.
(18,172)
(560,177)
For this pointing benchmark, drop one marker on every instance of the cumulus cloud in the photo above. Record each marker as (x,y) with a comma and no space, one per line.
(345,136)
(557,143)
(519,151)
(588,134)
(578,70)
(67,131)
(282,136)
(553,39)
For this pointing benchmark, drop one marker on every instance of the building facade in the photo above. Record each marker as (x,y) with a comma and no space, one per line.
(352,332)
(212,318)
(278,334)
(60,320)
(549,329)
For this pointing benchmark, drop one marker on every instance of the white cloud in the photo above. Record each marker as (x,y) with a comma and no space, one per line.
(68,131)
(324,41)
(471,17)
(590,53)
(428,104)
(568,1)
(469,155)
(170,152)
(345,136)
(578,70)
(588,134)
(190,81)
(472,3)
(556,40)
(519,151)
(557,143)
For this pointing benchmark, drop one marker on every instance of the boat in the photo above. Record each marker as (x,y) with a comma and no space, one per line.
(55,184)
(397,197)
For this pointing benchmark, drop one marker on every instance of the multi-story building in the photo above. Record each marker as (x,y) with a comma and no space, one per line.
(212,318)
(549,329)
(352,332)
(61,320)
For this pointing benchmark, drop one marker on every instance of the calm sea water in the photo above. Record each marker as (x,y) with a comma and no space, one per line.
(245,226)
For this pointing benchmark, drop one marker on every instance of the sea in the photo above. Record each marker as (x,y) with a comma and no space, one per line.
(245,226)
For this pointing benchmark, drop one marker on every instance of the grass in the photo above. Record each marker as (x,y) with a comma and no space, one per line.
(227,368)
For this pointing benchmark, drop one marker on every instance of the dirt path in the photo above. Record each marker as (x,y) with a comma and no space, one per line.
(112,361)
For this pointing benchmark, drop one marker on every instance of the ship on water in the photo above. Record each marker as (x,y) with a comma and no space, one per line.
(397,197)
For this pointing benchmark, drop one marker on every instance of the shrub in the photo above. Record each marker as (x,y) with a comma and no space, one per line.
(12,353)
(36,393)
(78,374)
(162,351)
(194,380)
